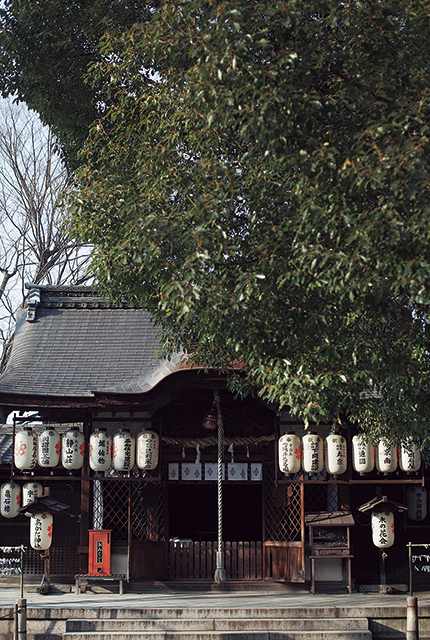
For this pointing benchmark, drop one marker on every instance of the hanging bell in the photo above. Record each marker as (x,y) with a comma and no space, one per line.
(210,421)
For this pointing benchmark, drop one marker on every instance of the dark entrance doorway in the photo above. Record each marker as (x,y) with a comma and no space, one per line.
(193,512)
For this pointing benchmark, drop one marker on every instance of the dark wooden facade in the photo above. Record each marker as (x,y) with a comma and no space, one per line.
(164,526)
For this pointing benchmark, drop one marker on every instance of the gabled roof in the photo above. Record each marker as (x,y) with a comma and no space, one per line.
(69,341)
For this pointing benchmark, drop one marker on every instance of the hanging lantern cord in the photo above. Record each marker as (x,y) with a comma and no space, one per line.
(219,575)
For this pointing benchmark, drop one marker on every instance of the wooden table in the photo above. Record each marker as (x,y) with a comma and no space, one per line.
(115,577)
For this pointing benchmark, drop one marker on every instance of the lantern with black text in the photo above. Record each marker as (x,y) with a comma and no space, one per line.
(123,450)
(147,448)
(383,529)
(10,499)
(417,503)
(72,449)
(386,457)
(31,491)
(41,531)
(410,457)
(100,449)
(363,455)
(313,453)
(336,454)
(290,453)
(25,454)
(48,449)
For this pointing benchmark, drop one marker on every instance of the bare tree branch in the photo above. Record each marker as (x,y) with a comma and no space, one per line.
(35,243)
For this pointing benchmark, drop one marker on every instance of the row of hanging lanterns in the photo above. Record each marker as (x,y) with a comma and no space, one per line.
(122,451)
(11,497)
(40,523)
(307,453)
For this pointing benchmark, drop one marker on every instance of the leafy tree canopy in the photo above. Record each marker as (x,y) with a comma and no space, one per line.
(267,196)
(45,49)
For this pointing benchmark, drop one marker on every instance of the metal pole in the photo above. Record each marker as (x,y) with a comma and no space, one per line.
(22,574)
(412,618)
(15,616)
(21,610)
(383,573)
(410,568)
(219,575)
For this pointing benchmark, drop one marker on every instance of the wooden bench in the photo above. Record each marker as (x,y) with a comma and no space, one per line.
(114,577)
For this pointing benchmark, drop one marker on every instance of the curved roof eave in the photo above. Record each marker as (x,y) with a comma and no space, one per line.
(144,384)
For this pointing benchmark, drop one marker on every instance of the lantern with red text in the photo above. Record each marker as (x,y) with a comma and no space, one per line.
(386,457)
(410,457)
(147,448)
(10,499)
(31,491)
(417,503)
(72,449)
(363,455)
(123,450)
(383,529)
(25,454)
(100,449)
(336,454)
(41,531)
(48,450)
(290,453)
(313,453)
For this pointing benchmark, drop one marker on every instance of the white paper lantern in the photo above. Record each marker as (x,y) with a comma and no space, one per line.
(10,499)
(336,461)
(123,450)
(72,449)
(25,454)
(290,453)
(363,455)
(383,529)
(100,449)
(48,449)
(313,453)
(147,448)
(417,503)
(410,457)
(31,491)
(386,457)
(41,531)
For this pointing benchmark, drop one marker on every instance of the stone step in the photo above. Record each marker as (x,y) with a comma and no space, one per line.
(197,613)
(218,628)
(86,625)
(219,635)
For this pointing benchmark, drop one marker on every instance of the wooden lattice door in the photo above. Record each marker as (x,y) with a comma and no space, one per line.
(284,533)
(134,510)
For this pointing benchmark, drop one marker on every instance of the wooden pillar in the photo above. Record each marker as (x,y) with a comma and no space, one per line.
(85,497)
(302,526)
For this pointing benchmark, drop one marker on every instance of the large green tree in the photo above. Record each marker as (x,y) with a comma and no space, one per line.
(266,196)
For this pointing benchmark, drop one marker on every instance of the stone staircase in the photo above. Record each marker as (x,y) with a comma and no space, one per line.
(217,624)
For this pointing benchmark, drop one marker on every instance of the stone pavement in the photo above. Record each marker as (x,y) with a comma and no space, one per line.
(160,595)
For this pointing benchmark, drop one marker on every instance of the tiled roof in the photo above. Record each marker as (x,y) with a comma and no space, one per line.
(71,342)
(5,448)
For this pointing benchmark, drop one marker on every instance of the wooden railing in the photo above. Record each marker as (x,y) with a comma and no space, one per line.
(197,560)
